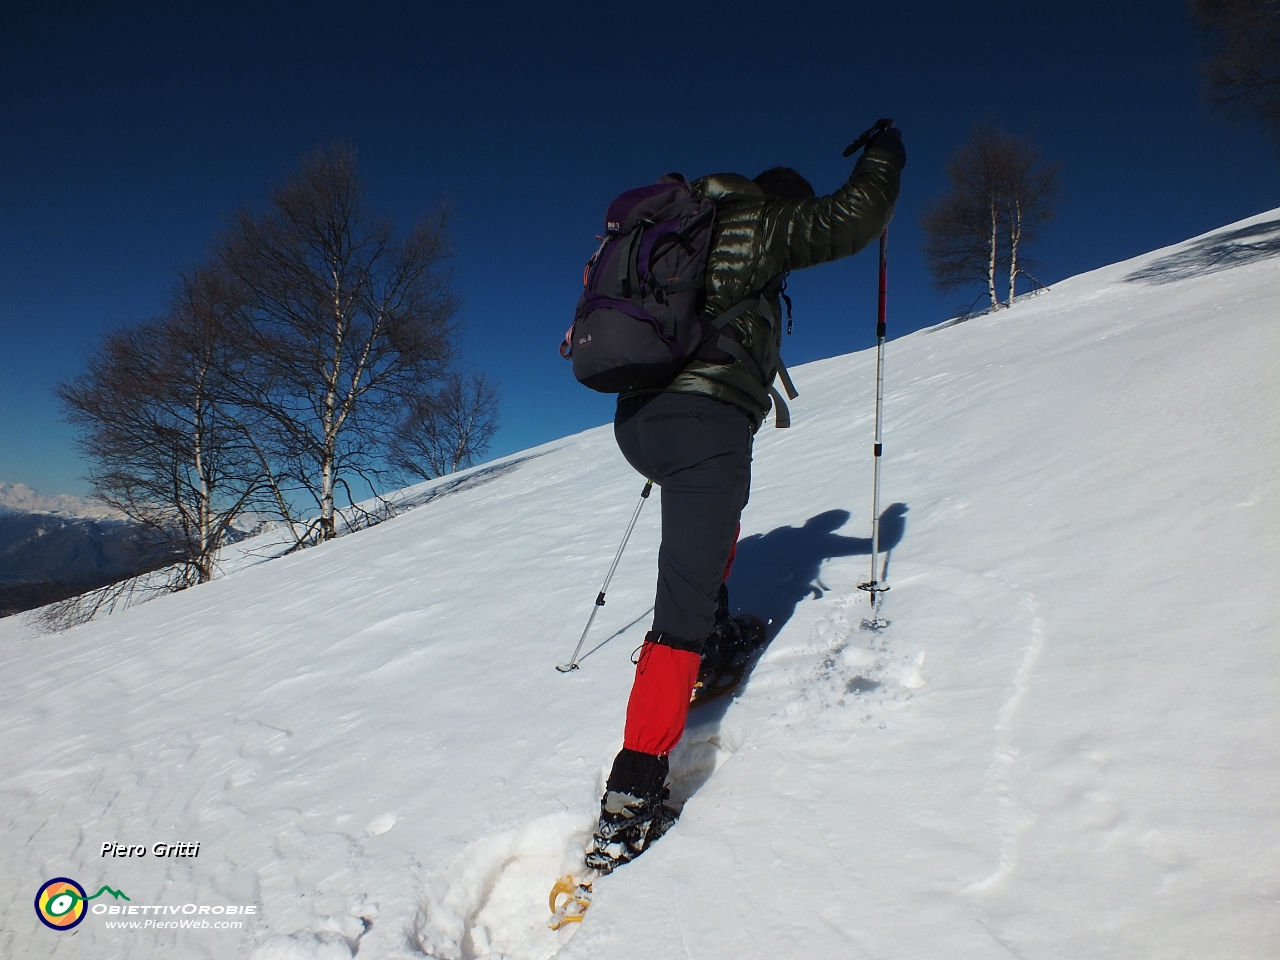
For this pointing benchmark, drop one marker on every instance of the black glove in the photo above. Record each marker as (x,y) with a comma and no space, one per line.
(891,142)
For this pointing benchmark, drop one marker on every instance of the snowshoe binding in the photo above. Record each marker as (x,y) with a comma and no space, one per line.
(628,825)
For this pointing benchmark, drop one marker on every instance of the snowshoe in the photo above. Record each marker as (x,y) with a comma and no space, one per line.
(726,657)
(577,897)
(628,826)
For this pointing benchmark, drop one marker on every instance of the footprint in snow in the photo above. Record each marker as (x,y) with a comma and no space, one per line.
(492,902)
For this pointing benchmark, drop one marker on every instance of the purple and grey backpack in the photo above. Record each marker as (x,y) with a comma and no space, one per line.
(640,317)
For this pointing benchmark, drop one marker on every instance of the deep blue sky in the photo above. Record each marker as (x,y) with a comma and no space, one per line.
(128,132)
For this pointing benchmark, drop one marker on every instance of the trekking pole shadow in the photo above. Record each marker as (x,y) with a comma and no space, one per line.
(573,661)
(617,633)
(893,525)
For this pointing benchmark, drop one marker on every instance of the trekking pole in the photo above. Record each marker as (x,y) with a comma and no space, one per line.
(872,586)
(573,661)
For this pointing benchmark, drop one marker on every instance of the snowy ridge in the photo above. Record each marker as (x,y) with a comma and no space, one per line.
(1064,745)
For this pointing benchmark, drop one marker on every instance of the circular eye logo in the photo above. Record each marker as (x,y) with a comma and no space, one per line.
(60,904)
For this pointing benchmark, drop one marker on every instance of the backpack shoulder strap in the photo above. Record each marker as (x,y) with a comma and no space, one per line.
(760,301)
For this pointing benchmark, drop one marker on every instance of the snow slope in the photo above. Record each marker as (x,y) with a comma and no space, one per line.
(1065,745)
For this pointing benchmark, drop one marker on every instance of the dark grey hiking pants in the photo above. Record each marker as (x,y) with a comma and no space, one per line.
(698,450)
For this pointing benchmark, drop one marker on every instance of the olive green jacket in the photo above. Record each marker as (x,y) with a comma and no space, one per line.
(758,238)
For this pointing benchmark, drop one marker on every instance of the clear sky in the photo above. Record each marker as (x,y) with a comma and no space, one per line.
(128,132)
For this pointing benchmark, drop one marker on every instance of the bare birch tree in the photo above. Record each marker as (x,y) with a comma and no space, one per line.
(160,430)
(1001,194)
(1243,72)
(1029,190)
(447,431)
(346,326)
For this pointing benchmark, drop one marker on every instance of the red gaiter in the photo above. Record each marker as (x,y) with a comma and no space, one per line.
(659,700)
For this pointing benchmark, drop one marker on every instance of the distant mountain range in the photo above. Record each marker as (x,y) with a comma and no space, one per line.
(19,498)
(54,547)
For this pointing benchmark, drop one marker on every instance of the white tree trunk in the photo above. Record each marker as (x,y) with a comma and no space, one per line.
(1015,235)
(204,498)
(204,561)
(991,261)
(329,443)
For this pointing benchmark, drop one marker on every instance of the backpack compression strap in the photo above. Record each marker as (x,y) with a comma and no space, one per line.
(629,269)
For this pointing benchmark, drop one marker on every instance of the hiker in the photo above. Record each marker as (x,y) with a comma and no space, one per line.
(692,435)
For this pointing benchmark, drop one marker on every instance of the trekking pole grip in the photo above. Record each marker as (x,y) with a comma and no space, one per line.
(867,135)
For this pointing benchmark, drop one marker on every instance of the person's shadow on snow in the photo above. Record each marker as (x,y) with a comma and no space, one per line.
(774,571)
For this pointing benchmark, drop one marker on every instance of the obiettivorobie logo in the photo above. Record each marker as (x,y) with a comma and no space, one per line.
(61,902)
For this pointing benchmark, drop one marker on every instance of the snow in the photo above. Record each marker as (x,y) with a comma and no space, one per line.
(1064,745)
